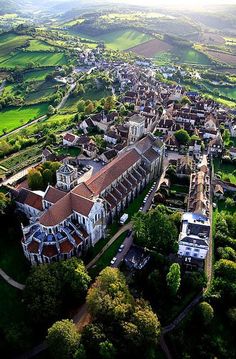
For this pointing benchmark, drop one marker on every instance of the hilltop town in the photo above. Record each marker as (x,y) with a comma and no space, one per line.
(117,207)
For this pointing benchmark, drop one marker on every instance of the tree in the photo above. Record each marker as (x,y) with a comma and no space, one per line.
(229,202)
(226,136)
(107,350)
(42,295)
(92,336)
(47,176)
(185,100)
(205,312)
(142,331)
(75,279)
(51,110)
(63,339)
(35,179)
(89,108)
(109,297)
(182,137)
(4,201)
(173,278)
(165,240)
(109,103)
(81,106)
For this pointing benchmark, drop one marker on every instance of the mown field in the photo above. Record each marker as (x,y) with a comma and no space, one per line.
(9,43)
(16,117)
(23,58)
(120,39)
(192,56)
(38,45)
(38,75)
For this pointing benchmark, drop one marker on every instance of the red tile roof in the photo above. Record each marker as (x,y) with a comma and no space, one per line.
(69,137)
(33,247)
(53,195)
(49,250)
(109,173)
(66,246)
(63,208)
(30,198)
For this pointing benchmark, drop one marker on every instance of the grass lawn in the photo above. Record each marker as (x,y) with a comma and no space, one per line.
(12,259)
(120,39)
(107,256)
(18,116)
(39,45)
(22,58)
(70,151)
(226,170)
(192,56)
(38,75)
(9,42)
(93,94)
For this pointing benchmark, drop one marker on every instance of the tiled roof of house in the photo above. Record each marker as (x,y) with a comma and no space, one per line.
(33,247)
(109,173)
(29,198)
(53,195)
(145,143)
(69,137)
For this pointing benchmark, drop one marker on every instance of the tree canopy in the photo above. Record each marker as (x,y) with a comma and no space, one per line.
(156,230)
(173,278)
(182,136)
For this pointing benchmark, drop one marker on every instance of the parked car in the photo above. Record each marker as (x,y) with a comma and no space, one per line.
(121,248)
(113,260)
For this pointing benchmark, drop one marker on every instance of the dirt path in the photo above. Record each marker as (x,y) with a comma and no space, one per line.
(11,281)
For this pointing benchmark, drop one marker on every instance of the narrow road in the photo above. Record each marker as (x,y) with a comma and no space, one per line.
(11,281)
(2,86)
(126,227)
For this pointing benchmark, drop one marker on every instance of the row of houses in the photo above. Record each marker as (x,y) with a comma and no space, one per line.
(194,238)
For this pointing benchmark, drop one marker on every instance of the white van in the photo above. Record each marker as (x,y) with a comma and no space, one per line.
(124,218)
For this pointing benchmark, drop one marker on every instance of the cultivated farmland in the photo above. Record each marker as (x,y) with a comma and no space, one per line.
(9,43)
(223,57)
(151,48)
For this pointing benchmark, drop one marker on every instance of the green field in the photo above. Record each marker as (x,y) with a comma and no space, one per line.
(9,42)
(38,45)
(22,59)
(192,56)
(38,75)
(226,169)
(16,117)
(42,91)
(120,39)
(95,94)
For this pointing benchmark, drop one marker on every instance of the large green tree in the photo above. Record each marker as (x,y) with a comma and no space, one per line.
(182,136)
(109,296)
(173,278)
(156,230)
(63,339)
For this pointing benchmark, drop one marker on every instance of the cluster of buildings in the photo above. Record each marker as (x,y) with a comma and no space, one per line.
(68,219)
(195,235)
